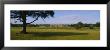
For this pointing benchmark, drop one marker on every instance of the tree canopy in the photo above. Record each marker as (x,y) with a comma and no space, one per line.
(21,14)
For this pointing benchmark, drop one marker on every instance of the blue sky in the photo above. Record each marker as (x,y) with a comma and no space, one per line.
(68,17)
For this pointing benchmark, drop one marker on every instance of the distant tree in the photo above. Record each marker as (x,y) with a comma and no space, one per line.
(79,25)
(86,25)
(22,14)
(97,24)
(71,25)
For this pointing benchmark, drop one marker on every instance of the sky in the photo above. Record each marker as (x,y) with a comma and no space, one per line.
(68,17)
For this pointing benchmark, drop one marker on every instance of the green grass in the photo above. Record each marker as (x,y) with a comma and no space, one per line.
(38,33)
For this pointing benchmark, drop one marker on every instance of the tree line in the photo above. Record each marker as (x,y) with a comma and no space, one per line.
(80,25)
(77,25)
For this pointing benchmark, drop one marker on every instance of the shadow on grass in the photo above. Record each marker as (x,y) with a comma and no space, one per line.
(43,34)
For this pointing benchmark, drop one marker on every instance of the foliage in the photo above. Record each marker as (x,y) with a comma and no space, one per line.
(21,15)
(79,25)
(97,24)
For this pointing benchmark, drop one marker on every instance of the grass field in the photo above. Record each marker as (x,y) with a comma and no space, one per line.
(39,33)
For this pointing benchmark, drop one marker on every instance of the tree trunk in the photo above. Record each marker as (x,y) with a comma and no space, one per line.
(24,22)
(24,26)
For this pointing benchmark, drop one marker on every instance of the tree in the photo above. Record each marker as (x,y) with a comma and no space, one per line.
(97,24)
(22,14)
(79,25)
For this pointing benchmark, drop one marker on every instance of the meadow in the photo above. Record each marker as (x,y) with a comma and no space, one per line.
(51,33)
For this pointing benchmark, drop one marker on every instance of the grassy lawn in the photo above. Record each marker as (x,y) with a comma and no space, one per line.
(38,33)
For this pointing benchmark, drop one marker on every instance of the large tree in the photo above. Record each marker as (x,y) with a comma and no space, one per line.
(21,15)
